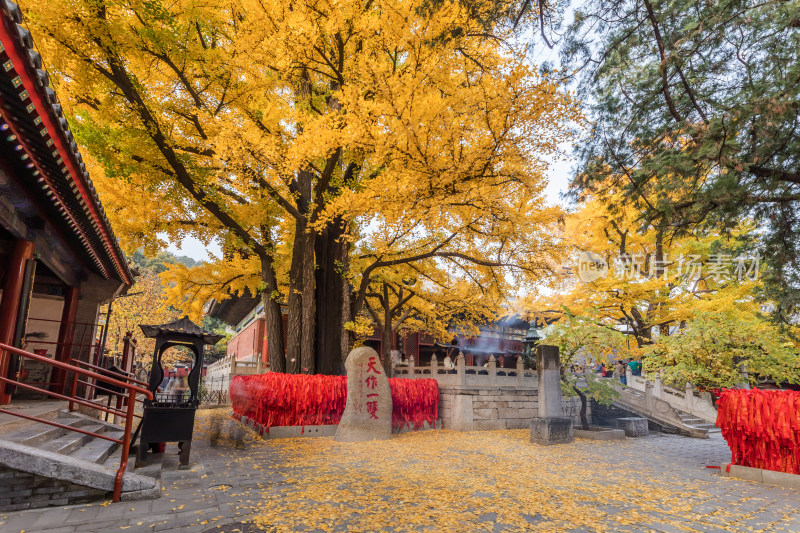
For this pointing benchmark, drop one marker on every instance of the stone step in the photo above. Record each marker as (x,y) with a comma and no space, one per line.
(154,467)
(98,450)
(68,468)
(693,421)
(37,433)
(47,410)
(66,444)
(705,425)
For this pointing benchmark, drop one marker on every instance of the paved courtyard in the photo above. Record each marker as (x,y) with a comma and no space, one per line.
(436,481)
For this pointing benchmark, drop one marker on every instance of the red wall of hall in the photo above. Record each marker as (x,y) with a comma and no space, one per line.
(247,342)
(251,340)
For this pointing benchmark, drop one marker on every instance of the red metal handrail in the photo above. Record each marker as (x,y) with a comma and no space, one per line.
(89,365)
(110,392)
(133,390)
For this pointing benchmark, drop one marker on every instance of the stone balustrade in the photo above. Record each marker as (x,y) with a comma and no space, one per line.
(459,374)
(218,375)
(684,400)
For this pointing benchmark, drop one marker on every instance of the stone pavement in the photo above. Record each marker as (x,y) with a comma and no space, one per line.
(236,477)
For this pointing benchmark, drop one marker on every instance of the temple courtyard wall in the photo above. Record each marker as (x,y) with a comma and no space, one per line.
(479,408)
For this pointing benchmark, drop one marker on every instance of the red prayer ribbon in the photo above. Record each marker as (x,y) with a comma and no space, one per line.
(762,428)
(275,399)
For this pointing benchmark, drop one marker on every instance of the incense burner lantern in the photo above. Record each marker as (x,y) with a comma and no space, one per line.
(169,417)
(532,338)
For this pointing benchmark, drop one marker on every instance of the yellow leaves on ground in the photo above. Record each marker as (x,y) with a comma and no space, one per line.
(448,481)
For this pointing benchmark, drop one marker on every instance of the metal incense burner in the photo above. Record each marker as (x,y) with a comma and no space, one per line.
(169,416)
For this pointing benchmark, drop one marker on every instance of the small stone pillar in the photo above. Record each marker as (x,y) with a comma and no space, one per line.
(628,376)
(633,426)
(492,370)
(689,397)
(706,396)
(411,367)
(434,366)
(550,427)
(520,371)
(461,369)
(657,387)
(649,400)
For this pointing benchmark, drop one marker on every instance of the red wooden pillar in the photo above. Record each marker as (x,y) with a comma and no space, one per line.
(128,352)
(10,304)
(262,334)
(66,333)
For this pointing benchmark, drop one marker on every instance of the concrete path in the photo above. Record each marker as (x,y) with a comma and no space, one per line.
(657,483)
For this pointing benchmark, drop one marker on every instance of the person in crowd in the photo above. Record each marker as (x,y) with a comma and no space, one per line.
(448,363)
(140,373)
(179,388)
(636,367)
(397,357)
(619,372)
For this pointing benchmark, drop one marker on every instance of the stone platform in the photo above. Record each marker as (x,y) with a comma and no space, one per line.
(546,431)
(481,408)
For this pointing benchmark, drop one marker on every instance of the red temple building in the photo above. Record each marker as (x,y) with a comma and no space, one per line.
(59,259)
(502,338)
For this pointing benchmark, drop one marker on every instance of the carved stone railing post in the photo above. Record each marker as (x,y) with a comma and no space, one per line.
(707,397)
(434,367)
(259,363)
(411,370)
(628,376)
(649,401)
(520,371)
(689,397)
(492,370)
(461,369)
(657,387)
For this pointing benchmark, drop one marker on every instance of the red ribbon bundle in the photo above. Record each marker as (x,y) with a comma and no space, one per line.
(762,428)
(275,399)
(414,401)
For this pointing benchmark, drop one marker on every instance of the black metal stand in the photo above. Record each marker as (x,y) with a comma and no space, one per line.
(170,417)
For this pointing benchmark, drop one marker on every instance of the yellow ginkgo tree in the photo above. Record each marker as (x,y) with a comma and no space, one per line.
(689,303)
(726,348)
(644,280)
(290,131)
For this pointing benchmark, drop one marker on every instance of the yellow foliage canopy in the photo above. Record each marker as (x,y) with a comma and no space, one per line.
(308,134)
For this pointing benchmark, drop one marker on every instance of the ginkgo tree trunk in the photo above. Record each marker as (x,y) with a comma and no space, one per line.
(288,130)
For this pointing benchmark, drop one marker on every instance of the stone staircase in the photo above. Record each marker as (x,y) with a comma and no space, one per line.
(48,465)
(662,413)
(698,423)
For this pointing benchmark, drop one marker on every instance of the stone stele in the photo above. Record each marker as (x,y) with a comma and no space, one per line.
(550,427)
(368,411)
